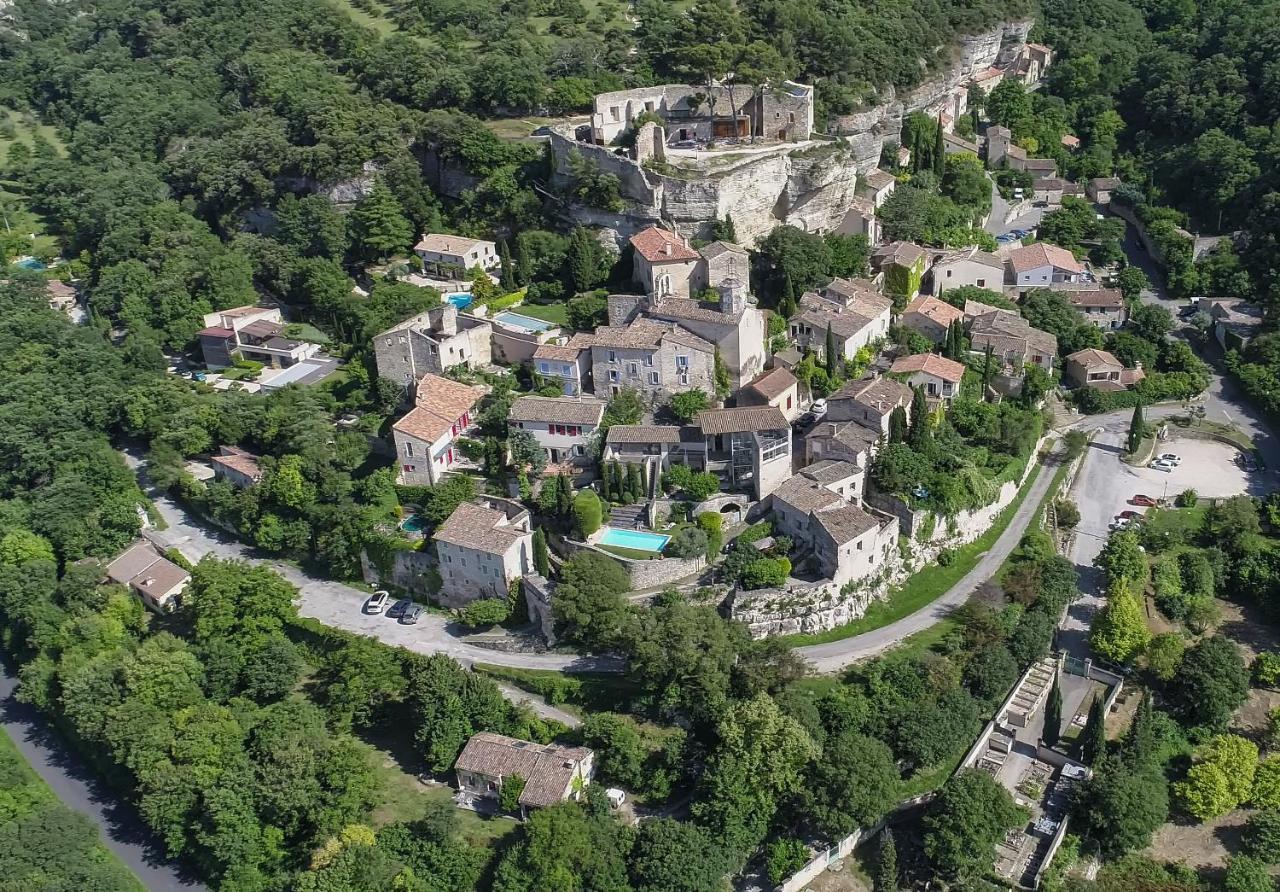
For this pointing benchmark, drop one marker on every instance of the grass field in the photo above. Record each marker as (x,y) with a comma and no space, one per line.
(380,23)
(554,313)
(23,796)
(925,586)
(1171,520)
(25,127)
(589,691)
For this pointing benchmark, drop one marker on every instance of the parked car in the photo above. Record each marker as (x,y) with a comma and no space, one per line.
(399,607)
(1161,465)
(377,602)
(1144,501)
(819,408)
(1171,457)
(1129,515)
(1117,525)
(411,614)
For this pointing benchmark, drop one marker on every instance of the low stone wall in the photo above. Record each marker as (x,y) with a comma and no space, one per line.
(406,570)
(646,574)
(538,594)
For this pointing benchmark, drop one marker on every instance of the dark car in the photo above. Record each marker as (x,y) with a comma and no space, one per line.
(411,614)
(399,607)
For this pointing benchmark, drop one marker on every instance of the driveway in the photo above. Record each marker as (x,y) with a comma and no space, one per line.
(81,789)
(341,606)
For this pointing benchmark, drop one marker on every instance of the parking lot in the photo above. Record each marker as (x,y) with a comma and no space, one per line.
(1207,466)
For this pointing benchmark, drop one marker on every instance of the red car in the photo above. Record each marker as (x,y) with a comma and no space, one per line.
(1145,501)
(1131,515)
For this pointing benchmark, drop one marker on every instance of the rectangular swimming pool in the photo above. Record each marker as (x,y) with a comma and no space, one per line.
(636,539)
(525,323)
(459,299)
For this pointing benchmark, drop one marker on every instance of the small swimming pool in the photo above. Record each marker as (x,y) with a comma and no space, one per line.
(30,263)
(525,323)
(654,542)
(414,523)
(459,299)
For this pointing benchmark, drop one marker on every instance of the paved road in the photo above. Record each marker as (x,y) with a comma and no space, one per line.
(340,606)
(837,655)
(81,789)
(996,225)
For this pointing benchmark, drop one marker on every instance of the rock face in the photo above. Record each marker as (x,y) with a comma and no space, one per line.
(808,185)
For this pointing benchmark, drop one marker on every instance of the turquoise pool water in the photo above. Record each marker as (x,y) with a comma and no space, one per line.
(414,524)
(527,323)
(634,539)
(461,299)
(32,264)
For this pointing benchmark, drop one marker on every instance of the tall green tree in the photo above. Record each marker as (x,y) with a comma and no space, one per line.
(509,282)
(541,557)
(939,158)
(887,863)
(1053,714)
(378,226)
(1137,429)
(920,433)
(584,260)
(1093,740)
(897,425)
(830,355)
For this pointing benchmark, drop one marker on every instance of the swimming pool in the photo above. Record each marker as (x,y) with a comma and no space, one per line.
(459,299)
(634,539)
(30,263)
(526,323)
(414,523)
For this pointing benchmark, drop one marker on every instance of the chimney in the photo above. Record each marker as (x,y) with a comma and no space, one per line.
(666,248)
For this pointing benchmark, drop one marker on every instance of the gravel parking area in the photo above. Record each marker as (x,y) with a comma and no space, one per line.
(1207,466)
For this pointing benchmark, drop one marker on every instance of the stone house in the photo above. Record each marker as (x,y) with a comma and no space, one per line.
(843,441)
(733,325)
(967,267)
(237,467)
(849,543)
(250,332)
(902,265)
(776,387)
(1104,308)
(930,317)
(424,438)
(436,249)
(856,316)
(663,263)
(1042,264)
(869,402)
(721,262)
(552,773)
(1099,189)
(562,425)
(861,219)
(783,111)
(481,548)
(940,377)
(655,358)
(1013,340)
(877,185)
(567,364)
(1001,152)
(155,579)
(1235,321)
(432,342)
(1100,369)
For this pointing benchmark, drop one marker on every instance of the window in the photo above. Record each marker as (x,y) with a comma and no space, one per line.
(633,369)
(408,469)
(613,376)
(682,362)
(388,342)
(653,377)
(788,402)
(948,274)
(566,370)
(544,367)
(613,357)
(648,359)
(982,283)
(859,545)
(408,448)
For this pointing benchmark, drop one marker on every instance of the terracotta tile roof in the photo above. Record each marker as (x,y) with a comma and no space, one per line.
(976,308)
(1009,331)
(438,243)
(1091,357)
(843,325)
(901,253)
(773,383)
(660,246)
(215,331)
(930,364)
(939,311)
(262,328)
(683,308)
(441,402)
(742,420)
(239,460)
(557,409)
(1112,298)
(845,522)
(1105,183)
(60,290)
(973,254)
(478,527)
(716,249)
(847,433)
(1047,164)
(548,769)
(645,334)
(805,495)
(563,353)
(826,472)
(643,433)
(879,393)
(878,179)
(1071,142)
(143,569)
(858,295)
(1043,254)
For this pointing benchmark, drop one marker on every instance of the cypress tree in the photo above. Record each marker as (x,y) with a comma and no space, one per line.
(644,480)
(919,434)
(787,298)
(508,269)
(939,152)
(1139,746)
(524,263)
(564,496)
(615,481)
(541,560)
(897,425)
(914,164)
(1053,714)
(988,371)
(634,486)
(1137,428)
(887,863)
(831,361)
(1093,742)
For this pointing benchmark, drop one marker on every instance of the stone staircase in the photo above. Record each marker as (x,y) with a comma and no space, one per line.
(627,517)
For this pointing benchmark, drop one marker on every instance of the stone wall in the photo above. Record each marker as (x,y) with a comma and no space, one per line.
(647,574)
(406,570)
(538,594)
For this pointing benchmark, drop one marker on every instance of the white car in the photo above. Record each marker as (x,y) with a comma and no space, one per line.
(1161,465)
(1117,525)
(819,408)
(377,602)
(1170,457)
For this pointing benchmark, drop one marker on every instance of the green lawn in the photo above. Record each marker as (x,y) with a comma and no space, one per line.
(25,127)
(579,691)
(1171,520)
(926,585)
(555,313)
(27,803)
(379,23)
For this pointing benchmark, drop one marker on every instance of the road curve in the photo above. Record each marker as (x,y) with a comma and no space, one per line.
(836,655)
(80,789)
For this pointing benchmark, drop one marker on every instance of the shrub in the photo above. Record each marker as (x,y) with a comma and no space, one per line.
(678,477)
(1266,783)
(485,612)
(766,573)
(1262,836)
(509,796)
(1067,512)
(1186,499)
(786,856)
(702,486)
(712,524)
(1266,669)
(687,542)
(587,513)
(1164,655)
(1221,779)
(688,404)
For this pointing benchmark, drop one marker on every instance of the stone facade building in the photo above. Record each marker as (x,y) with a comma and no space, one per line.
(481,548)
(432,342)
(655,358)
